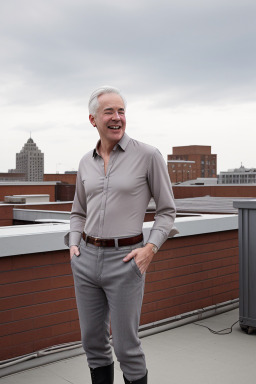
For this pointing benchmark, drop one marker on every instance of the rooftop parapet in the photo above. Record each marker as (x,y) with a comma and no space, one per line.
(23,239)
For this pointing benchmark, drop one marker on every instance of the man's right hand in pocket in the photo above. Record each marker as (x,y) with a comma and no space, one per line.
(74,250)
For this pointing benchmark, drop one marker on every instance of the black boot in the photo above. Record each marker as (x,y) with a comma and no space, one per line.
(143,380)
(103,375)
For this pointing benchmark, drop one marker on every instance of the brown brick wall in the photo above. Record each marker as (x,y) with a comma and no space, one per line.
(69,178)
(149,216)
(192,150)
(65,192)
(9,190)
(215,191)
(47,207)
(6,215)
(190,273)
(38,307)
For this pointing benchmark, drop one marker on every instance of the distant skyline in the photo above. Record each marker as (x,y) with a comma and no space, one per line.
(186,68)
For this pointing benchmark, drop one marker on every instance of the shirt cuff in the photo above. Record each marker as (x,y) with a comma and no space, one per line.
(158,237)
(72,238)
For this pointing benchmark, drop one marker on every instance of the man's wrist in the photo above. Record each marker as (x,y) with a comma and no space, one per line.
(153,247)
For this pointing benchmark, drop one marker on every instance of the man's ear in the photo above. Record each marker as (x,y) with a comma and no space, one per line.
(92,120)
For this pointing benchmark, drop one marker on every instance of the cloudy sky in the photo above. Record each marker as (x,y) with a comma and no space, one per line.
(186,67)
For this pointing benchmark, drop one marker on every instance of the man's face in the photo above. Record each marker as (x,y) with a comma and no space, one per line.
(110,118)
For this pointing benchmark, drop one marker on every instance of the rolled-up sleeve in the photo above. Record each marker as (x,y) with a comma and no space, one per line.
(78,213)
(161,189)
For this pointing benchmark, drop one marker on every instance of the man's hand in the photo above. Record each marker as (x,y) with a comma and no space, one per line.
(74,250)
(142,256)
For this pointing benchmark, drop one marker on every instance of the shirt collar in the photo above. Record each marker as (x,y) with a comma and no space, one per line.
(121,144)
(95,151)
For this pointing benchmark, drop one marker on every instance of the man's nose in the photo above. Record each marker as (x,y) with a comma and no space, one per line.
(116,116)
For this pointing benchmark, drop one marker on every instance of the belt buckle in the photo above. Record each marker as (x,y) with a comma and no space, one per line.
(97,241)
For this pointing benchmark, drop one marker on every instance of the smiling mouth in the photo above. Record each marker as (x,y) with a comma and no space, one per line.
(116,127)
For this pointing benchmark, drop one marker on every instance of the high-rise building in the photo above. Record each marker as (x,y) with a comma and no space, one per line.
(191,162)
(30,161)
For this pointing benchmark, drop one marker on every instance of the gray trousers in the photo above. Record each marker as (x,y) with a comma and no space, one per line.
(106,287)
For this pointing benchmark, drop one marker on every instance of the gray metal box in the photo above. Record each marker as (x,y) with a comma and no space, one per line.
(247,264)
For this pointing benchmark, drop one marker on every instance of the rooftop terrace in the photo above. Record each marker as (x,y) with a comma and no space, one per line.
(193,279)
(185,354)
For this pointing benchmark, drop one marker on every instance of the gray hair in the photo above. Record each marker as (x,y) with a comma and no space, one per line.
(93,104)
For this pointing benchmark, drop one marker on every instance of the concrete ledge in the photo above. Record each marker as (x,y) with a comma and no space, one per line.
(37,215)
(24,239)
(197,225)
(27,199)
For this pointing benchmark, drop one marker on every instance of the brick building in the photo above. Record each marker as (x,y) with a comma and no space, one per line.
(191,162)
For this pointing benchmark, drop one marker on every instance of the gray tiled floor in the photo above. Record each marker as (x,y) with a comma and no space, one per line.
(188,354)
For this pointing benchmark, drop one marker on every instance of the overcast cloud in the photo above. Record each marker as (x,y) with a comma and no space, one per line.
(186,67)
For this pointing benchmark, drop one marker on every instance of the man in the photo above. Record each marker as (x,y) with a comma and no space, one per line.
(115,182)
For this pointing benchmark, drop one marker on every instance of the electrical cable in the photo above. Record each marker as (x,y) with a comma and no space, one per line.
(224,331)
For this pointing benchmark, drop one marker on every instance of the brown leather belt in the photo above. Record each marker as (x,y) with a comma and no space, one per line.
(111,242)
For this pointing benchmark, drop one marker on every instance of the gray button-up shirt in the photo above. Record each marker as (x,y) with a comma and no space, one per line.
(113,205)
